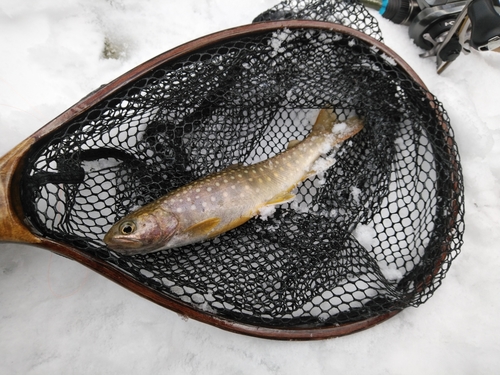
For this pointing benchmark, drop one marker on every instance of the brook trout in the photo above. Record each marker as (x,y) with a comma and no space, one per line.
(219,202)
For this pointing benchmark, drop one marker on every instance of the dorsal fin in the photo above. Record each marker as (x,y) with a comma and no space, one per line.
(293,143)
(234,166)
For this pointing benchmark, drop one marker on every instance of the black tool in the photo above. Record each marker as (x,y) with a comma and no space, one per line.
(446,28)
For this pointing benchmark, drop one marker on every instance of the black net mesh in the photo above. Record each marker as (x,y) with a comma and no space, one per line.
(376,233)
(349,13)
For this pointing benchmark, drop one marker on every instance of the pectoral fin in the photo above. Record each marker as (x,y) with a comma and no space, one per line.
(203,227)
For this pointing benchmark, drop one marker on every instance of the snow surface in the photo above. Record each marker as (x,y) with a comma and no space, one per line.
(56,316)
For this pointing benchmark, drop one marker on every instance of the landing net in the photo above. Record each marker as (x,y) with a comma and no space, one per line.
(375,233)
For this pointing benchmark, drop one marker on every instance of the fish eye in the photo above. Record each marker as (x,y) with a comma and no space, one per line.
(127,228)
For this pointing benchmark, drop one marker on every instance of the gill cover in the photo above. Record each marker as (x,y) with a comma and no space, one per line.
(142,231)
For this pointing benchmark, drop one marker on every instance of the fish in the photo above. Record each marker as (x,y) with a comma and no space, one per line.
(219,202)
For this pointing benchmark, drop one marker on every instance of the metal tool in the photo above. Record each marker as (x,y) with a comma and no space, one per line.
(446,28)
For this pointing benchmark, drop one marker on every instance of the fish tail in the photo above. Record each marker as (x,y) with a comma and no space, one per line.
(327,123)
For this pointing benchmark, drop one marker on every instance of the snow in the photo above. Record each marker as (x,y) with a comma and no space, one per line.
(390,272)
(355,193)
(266,212)
(278,38)
(365,234)
(57,316)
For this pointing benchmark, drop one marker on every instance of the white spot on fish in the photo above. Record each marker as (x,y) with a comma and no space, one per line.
(179,210)
(209,189)
(193,207)
(225,194)
(212,199)
(198,190)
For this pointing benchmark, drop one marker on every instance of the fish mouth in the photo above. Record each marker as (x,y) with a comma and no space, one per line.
(122,243)
(128,246)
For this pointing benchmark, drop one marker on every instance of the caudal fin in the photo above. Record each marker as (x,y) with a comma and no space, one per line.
(327,123)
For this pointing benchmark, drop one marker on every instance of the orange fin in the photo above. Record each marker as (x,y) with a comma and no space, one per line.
(234,166)
(281,199)
(309,175)
(293,143)
(233,224)
(325,121)
(203,227)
